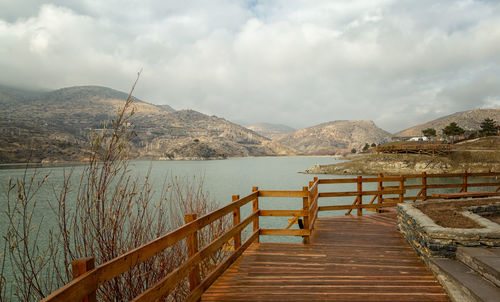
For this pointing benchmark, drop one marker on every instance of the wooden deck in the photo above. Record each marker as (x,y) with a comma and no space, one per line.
(349,259)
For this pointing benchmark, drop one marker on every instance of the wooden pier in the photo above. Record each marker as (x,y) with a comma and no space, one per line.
(350,258)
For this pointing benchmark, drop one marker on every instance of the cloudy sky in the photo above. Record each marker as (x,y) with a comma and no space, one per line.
(300,63)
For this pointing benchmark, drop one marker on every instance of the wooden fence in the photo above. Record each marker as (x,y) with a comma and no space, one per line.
(422,148)
(390,191)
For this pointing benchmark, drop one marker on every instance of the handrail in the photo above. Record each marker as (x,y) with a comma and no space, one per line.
(401,189)
(88,282)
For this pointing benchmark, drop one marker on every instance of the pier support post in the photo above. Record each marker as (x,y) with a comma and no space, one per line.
(401,188)
(80,267)
(424,186)
(236,221)
(192,247)
(380,188)
(464,182)
(360,195)
(255,208)
(305,207)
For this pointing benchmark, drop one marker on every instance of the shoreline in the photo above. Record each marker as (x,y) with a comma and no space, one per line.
(396,164)
(62,163)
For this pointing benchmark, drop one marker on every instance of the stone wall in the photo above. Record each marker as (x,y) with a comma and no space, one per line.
(430,240)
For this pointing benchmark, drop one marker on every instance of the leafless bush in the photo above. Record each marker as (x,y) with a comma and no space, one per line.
(113,212)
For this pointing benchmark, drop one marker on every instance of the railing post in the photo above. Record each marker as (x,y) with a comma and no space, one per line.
(380,188)
(255,208)
(315,193)
(360,195)
(401,187)
(305,206)
(464,182)
(192,249)
(424,186)
(236,221)
(80,267)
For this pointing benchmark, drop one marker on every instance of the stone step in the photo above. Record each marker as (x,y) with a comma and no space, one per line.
(462,283)
(485,261)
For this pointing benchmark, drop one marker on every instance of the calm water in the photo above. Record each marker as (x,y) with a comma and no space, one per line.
(222,178)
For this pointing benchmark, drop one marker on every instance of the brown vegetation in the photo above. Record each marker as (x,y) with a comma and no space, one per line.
(448,214)
(113,212)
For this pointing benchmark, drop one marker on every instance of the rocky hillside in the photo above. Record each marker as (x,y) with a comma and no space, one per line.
(335,137)
(56,125)
(468,120)
(267,129)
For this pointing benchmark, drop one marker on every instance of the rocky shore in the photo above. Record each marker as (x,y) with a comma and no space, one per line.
(396,164)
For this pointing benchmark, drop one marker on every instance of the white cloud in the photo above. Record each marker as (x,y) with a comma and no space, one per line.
(292,62)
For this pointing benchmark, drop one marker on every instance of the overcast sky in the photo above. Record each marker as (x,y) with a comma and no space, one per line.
(299,63)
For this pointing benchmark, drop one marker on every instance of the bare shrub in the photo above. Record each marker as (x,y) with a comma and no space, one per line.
(112,212)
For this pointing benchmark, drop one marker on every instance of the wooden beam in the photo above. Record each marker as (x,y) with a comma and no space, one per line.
(268,193)
(164,286)
(284,213)
(192,249)
(205,284)
(85,284)
(280,232)
(81,266)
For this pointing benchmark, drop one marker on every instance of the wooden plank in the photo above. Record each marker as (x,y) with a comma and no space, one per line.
(356,206)
(90,281)
(355,180)
(275,193)
(164,286)
(80,267)
(192,249)
(285,213)
(354,193)
(482,184)
(196,294)
(465,194)
(255,209)
(236,221)
(349,259)
(281,232)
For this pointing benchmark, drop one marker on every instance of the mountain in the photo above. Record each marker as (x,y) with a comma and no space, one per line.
(267,129)
(335,137)
(468,120)
(166,108)
(56,125)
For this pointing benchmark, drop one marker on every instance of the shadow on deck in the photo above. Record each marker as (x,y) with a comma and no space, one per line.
(349,259)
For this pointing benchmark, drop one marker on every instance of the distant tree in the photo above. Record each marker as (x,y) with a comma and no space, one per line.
(453,129)
(353,150)
(366,147)
(373,145)
(488,127)
(472,135)
(429,132)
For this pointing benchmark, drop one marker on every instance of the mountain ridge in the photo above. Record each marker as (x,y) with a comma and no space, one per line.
(58,123)
(468,120)
(335,137)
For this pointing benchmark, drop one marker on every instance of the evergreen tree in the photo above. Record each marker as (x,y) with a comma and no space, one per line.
(429,132)
(488,127)
(453,129)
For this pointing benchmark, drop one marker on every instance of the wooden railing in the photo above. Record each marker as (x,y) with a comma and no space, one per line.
(389,191)
(417,148)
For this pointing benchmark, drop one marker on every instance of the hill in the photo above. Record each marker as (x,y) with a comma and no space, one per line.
(468,120)
(56,126)
(335,137)
(268,129)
